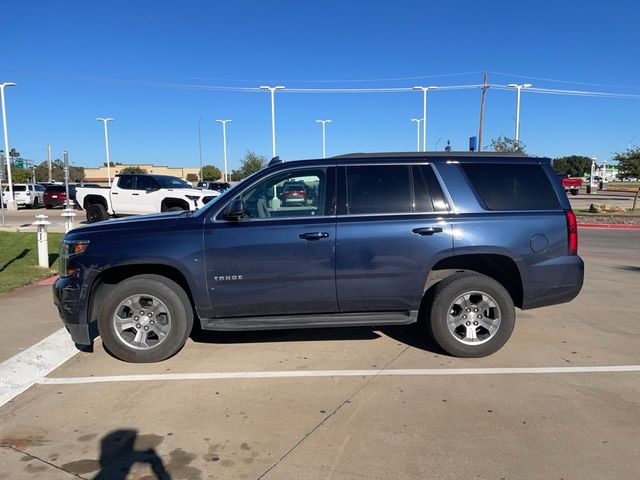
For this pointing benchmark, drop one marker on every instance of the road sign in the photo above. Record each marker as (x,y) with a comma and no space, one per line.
(19,163)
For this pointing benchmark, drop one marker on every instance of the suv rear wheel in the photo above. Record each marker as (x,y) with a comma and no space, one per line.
(146,318)
(96,213)
(472,315)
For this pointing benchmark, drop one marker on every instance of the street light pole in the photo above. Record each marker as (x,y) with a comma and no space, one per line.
(224,141)
(424,114)
(49,161)
(11,202)
(324,138)
(518,87)
(273,114)
(200,146)
(106,143)
(417,120)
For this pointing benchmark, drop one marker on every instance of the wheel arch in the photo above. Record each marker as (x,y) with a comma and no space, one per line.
(501,268)
(171,202)
(91,199)
(109,278)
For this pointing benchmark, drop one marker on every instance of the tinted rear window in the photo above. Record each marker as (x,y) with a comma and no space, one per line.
(378,189)
(19,188)
(512,187)
(56,188)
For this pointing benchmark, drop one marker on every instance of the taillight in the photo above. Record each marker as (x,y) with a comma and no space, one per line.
(572,231)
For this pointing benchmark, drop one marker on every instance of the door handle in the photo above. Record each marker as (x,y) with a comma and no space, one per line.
(426,231)
(135,194)
(114,193)
(313,235)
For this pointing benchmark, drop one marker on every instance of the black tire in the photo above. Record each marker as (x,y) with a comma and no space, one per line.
(575,192)
(36,203)
(174,209)
(96,213)
(48,207)
(180,319)
(447,292)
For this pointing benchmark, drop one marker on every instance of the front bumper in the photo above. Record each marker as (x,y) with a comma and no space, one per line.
(71,301)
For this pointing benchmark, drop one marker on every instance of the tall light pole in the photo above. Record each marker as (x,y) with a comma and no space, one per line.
(11,202)
(424,114)
(273,114)
(49,161)
(106,144)
(324,137)
(200,146)
(518,87)
(417,120)
(224,142)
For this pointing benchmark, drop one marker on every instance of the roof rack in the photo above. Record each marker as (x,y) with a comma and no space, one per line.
(430,154)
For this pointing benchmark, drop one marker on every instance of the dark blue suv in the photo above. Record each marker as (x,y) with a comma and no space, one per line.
(455,240)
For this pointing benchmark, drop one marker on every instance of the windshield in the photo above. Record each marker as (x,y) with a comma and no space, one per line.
(172,182)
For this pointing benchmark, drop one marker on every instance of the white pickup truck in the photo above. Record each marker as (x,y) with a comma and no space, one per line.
(140,195)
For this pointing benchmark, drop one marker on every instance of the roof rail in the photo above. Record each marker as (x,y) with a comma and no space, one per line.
(275,160)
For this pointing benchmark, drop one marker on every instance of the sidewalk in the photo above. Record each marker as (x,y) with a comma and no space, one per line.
(27,315)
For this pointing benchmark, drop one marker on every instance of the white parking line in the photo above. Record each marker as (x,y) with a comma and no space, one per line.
(337,373)
(31,365)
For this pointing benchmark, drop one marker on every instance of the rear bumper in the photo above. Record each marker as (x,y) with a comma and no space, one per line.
(554,281)
(72,308)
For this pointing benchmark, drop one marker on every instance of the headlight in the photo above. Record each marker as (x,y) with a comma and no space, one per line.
(69,248)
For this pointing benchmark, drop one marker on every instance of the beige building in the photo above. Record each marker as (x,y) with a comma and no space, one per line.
(99,175)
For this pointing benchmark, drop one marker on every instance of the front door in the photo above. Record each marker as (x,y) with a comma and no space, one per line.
(280,257)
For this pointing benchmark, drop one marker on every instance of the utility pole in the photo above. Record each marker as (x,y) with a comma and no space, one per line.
(484,91)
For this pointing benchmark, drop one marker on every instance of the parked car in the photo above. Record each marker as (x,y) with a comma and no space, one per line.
(569,184)
(29,195)
(140,194)
(456,241)
(56,196)
(217,186)
(294,194)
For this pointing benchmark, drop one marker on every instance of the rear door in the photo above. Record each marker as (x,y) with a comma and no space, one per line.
(123,200)
(392,227)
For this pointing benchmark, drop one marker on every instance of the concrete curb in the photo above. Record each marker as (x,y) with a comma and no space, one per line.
(614,226)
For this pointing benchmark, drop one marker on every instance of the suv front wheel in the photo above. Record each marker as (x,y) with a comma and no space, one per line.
(146,318)
(472,315)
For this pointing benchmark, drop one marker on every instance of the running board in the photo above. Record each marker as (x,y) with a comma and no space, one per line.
(275,322)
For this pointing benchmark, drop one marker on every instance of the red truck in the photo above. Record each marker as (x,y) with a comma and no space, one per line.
(569,184)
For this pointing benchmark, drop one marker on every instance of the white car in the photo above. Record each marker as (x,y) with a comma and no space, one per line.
(25,194)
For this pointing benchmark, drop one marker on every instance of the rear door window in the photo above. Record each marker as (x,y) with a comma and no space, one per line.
(374,189)
(512,186)
(127,182)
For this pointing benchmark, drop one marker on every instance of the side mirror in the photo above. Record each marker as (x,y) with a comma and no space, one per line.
(235,210)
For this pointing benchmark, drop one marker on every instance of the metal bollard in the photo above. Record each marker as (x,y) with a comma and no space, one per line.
(68,215)
(43,246)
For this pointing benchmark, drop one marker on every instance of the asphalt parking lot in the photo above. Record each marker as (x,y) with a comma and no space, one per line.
(561,400)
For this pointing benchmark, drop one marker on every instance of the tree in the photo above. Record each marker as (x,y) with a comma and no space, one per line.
(211,173)
(573,165)
(506,144)
(76,174)
(133,169)
(629,162)
(20,175)
(192,177)
(251,163)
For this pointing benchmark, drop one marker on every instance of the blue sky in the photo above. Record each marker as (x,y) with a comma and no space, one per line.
(143,63)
